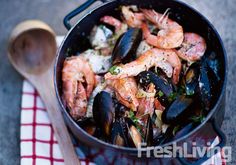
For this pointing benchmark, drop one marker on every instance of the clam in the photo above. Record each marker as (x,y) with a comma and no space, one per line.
(126,46)
(103,112)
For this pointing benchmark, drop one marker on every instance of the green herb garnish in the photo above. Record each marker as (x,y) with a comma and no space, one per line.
(160,94)
(172,97)
(190,92)
(175,130)
(115,70)
(198,119)
(132,116)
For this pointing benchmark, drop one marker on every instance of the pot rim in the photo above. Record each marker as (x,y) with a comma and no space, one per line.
(102,144)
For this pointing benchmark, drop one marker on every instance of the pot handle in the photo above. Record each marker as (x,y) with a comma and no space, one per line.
(76,11)
(221,144)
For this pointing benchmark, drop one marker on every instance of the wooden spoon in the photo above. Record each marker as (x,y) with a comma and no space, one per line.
(32,51)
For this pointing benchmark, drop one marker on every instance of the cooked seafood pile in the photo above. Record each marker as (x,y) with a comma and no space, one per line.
(144,79)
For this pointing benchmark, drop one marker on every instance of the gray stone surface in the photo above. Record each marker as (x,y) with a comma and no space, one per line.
(222,13)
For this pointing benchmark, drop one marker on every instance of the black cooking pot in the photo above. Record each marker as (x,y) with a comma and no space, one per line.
(192,21)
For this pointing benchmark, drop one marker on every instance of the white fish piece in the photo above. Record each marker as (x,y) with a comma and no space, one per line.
(143,47)
(99,63)
(99,37)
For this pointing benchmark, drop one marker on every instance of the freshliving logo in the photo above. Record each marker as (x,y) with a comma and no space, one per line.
(185,151)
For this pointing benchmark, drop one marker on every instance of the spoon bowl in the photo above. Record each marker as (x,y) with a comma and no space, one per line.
(32,50)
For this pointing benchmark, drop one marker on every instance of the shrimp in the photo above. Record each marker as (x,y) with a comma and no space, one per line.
(158,105)
(76,71)
(80,105)
(171,34)
(131,18)
(125,91)
(175,62)
(153,57)
(146,104)
(193,47)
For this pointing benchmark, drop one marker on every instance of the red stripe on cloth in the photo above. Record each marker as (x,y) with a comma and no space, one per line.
(38,124)
(38,108)
(34,127)
(51,146)
(39,140)
(43,157)
(222,157)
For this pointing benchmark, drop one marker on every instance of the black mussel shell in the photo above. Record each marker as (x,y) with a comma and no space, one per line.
(89,125)
(120,109)
(213,64)
(191,79)
(148,138)
(163,87)
(126,47)
(163,137)
(205,86)
(119,133)
(178,111)
(134,137)
(103,112)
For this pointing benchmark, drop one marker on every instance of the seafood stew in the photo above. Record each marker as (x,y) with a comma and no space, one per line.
(142,78)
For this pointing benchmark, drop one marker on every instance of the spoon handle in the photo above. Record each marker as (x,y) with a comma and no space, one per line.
(59,127)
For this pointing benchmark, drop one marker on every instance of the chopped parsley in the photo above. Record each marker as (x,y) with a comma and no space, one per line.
(132,116)
(190,92)
(160,94)
(198,119)
(175,130)
(172,97)
(115,70)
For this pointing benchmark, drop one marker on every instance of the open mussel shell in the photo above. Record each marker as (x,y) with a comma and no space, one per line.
(89,125)
(191,79)
(178,111)
(163,87)
(126,46)
(134,137)
(120,109)
(103,112)
(148,137)
(119,133)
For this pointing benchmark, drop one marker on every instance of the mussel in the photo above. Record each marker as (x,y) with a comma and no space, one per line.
(191,79)
(119,133)
(163,137)
(148,137)
(163,87)
(120,109)
(205,86)
(126,46)
(214,65)
(103,112)
(89,125)
(134,137)
(178,111)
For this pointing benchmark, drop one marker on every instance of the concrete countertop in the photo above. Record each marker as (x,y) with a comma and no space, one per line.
(222,13)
